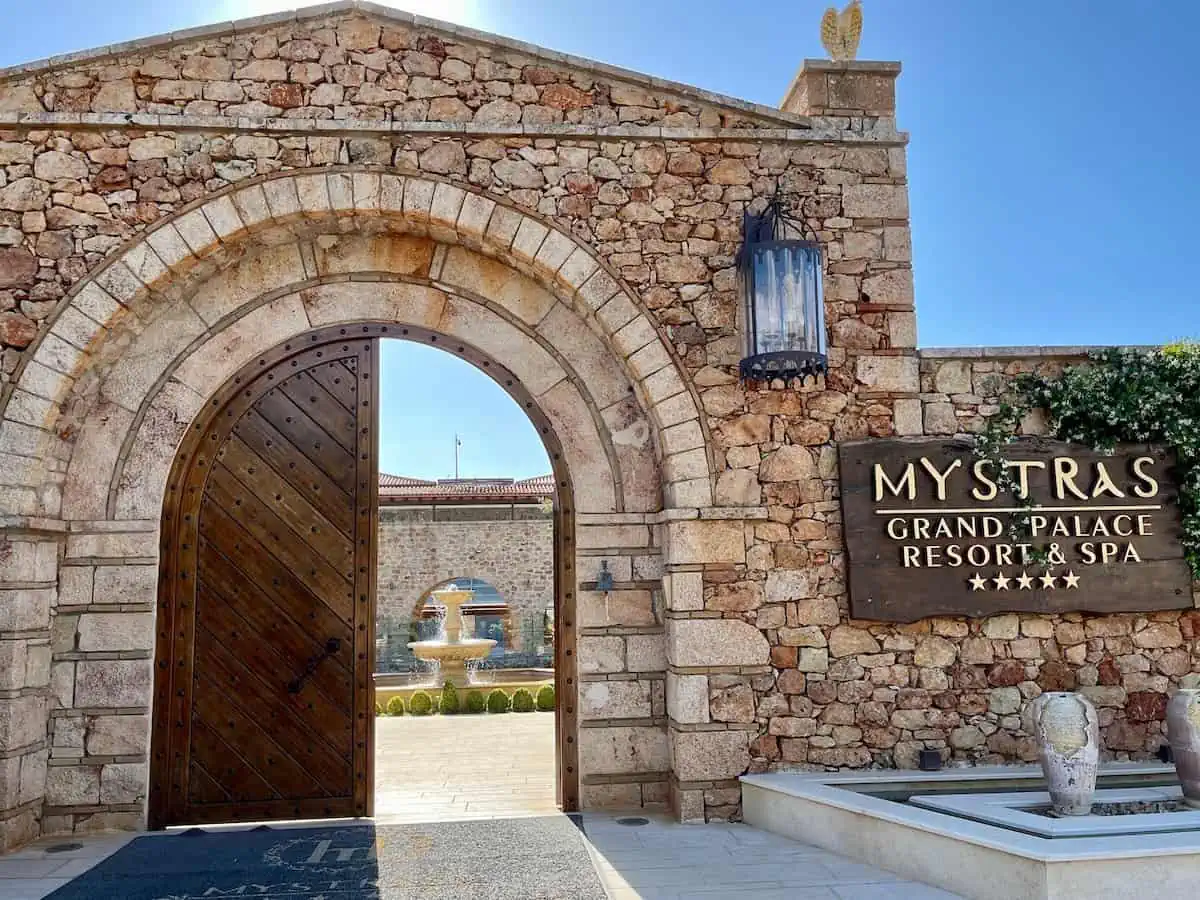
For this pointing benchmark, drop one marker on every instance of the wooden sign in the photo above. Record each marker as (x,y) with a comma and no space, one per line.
(929,532)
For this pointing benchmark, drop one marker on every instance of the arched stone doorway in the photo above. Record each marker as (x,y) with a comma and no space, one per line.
(176,314)
(264,706)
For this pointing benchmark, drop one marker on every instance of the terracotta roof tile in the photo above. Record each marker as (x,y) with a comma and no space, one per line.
(399,488)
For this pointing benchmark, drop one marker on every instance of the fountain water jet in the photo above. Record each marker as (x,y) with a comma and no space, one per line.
(452,652)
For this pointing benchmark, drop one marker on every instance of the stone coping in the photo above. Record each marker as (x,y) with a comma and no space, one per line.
(828,130)
(388,14)
(1008,810)
(32,525)
(987,353)
(834,790)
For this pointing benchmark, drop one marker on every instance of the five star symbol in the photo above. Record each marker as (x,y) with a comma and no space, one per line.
(1025,582)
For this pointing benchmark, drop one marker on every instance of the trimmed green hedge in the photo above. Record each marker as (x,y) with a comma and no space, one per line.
(420,704)
(545,698)
(476,702)
(522,701)
(395,706)
(498,702)
(449,701)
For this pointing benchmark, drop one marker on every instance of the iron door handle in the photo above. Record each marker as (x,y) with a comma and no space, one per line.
(332,646)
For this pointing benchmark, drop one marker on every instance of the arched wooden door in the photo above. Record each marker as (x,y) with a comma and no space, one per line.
(263,698)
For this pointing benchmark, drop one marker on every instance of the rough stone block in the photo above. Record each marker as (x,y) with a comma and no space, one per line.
(889,373)
(125,584)
(614,699)
(715,642)
(116,631)
(687,698)
(72,785)
(684,590)
(22,721)
(645,653)
(26,609)
(709,755)
(623,750)
(691,542)
(601,655)
(123,783)
(112,683)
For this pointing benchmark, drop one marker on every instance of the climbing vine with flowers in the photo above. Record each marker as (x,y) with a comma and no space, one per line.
(1120,396)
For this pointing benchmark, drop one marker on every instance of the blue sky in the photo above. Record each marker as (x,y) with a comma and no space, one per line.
(1051,165)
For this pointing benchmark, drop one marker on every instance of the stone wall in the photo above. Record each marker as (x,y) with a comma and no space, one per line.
(509,547)
(651,177)
(147,201)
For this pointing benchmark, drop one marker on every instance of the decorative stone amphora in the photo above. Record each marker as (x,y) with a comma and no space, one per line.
(1183,733)
(1067,731)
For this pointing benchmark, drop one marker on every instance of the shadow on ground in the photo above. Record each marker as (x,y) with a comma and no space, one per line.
(535,858)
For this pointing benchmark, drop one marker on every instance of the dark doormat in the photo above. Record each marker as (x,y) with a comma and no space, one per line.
(541,858)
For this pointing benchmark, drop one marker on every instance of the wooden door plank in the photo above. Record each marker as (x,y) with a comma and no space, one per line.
(308,438)
(322,407)
(287,659)
(259,476)
(366,546)
(262,482)
(275,537)
(310,708)
(202,787)
(326,495)
(329,767)
(289,591)
(294,632)
(339,381)
(225,764)
(220,711)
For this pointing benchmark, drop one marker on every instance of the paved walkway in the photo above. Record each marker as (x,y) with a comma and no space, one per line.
(440,769)
(436,768)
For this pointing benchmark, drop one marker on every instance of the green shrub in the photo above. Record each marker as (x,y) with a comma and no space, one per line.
(498,702)
(522,701)
(449,702)
(379,709)
(395,706)
(420,704)
(476,702)
(545,698)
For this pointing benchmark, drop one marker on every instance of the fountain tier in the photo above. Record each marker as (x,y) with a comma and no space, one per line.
(453,653)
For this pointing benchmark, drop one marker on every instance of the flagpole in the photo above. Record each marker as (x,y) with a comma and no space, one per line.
(457,444)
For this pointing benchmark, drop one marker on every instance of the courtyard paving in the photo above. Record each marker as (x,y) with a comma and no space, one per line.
(471,767)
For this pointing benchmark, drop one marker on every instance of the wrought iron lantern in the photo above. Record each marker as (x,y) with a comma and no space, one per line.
(785,316)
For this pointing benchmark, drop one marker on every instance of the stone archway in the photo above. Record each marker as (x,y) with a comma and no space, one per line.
(139,347)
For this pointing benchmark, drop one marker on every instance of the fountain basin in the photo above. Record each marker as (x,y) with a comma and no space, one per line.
(969,830)
(453,656)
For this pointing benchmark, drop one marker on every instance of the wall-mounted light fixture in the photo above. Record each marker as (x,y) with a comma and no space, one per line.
(785,314)
(604,579)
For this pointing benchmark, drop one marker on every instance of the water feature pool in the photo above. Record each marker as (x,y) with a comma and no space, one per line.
(973,830)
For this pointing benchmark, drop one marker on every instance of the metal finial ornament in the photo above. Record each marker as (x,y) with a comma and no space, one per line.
(841,32)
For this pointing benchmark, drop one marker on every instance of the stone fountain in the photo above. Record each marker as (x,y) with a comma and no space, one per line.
(452,652)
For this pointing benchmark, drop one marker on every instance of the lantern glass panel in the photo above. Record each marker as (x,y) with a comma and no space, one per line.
(786,298)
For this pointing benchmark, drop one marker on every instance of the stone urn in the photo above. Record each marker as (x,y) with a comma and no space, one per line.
(1183,733)
(1067,732)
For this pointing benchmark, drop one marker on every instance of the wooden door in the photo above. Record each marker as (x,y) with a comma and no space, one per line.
(263,694)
